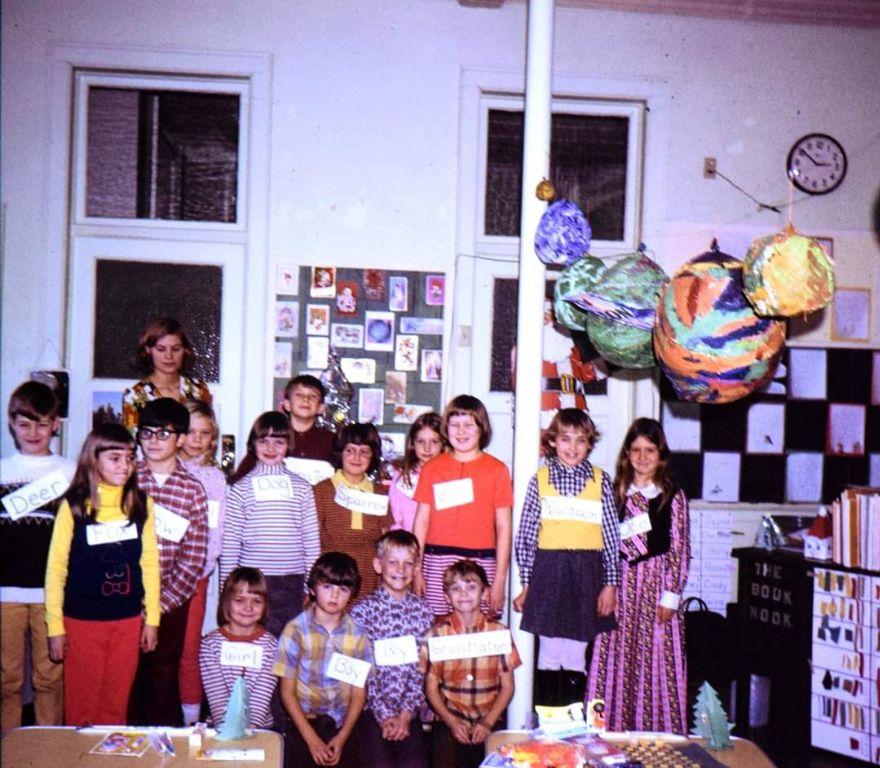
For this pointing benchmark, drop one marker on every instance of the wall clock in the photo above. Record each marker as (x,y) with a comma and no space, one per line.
(817,164)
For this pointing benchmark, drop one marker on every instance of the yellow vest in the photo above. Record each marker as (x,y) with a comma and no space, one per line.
(570,522)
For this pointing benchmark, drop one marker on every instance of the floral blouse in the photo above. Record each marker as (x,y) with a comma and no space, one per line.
(136,397)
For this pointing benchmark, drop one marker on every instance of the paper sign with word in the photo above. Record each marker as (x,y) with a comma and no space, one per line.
(470,646)
(453,493)
(34,495)
(247,655)
(169,525)
(349,670)
(109,533)
(568,508)
(213,513)
(272,488)
(358,501)
(635,525)
(312,470)
(393,651)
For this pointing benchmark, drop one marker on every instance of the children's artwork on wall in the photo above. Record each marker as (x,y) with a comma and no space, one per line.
(318,352)
(286,318)
(432,365)
(371,407)
(379,331)
(347,336)
(323,283)
(395,387)
(346,297)
(317,319)
(851,315)
(398,293)
(802,441)
(378,321)
(359,370)
(435,290)
(283,355)
(393,444)
(406,351)
(106,408)
(374,284)
(287,279)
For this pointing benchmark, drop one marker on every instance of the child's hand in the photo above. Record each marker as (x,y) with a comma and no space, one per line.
(396,728)
(496,598)
(664,614)
(333,752)
(419,583)
(605,603)
(460,729)
(319,750)
(480,733)
(149,638)
(58,647)
(520,600)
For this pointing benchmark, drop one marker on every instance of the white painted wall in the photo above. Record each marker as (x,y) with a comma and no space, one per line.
(365,126)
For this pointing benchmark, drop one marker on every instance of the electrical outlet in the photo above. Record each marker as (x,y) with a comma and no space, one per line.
(709,167)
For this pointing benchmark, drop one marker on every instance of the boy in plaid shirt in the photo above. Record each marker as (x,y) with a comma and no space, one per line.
(469,695)
(181,513)
(323,709)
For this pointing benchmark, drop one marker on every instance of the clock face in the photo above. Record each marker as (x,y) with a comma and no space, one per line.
(817,164)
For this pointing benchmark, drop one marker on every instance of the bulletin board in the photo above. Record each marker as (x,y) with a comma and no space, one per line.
(385,325)
(811,431)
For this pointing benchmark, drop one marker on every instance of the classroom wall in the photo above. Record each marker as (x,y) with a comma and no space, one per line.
(365,133)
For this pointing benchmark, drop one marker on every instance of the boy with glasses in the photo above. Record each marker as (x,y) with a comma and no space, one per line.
(181,513)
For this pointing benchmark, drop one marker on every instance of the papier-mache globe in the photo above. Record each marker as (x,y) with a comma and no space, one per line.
(563,233)
(708,339)
(574,280)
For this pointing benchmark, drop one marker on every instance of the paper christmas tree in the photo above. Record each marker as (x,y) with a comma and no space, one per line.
(238,713)
(710,719)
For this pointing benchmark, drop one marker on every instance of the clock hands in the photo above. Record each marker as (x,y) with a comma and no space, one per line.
(812,159)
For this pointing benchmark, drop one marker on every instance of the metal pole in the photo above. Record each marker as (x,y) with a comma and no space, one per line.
(530,308)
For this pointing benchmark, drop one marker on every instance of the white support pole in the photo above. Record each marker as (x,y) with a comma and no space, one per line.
(529,330)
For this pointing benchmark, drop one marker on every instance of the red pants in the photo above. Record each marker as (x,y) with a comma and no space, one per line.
(189,679)
(99,670)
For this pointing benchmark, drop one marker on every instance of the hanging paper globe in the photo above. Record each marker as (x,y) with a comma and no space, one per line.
(708,339)
(788,274)
(574,280)
(563,234)
(622,304)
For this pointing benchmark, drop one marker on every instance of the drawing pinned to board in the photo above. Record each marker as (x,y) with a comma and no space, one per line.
(398,300)
(803,477)
(432,365)
(435,290)
(374,284)
(807,376)
(286,279)
(318,352)
(395,387)
(317,320)
(424,326)
(766,428)
(323,285)
(286,318)
(347,297)
(721,476)
(407,413)
(846,430)
(283,359)
(851,315)
(379,331)
(371,406)
(359,370)
(406,352)
(347,335)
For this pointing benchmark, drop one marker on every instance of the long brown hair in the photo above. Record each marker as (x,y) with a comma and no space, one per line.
(410,461)
(157,329)
(651,430)
(82,496)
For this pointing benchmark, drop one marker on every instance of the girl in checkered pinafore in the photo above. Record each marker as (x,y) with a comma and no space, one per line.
(567,551)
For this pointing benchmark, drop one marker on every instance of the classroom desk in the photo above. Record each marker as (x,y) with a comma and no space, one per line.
(744,754)
(41,747)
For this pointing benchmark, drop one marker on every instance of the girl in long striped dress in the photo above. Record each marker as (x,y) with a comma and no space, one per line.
(464,507)
(639,670)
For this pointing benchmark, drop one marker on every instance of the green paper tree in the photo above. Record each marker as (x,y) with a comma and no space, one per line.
(237,713)
(710,719)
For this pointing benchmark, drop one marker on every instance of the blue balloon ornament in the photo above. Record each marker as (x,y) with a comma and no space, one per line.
(563,234)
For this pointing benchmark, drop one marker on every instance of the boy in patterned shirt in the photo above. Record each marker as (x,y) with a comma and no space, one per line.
(181,513)
(469,695)
(390,733)
(323,709)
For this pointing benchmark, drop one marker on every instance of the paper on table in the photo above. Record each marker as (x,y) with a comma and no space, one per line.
(721,476)
(766,428)
(803,477)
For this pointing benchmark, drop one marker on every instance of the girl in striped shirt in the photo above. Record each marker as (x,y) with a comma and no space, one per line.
(271,523)
(243,609)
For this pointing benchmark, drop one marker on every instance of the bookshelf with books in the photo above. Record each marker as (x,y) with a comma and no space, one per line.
(855,519)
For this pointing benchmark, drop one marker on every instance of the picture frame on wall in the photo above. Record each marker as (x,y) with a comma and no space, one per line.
(851,314)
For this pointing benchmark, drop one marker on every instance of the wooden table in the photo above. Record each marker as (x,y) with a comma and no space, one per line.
(42,747)
(744,754)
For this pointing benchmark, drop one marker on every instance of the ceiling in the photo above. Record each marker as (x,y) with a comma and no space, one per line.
(841,13)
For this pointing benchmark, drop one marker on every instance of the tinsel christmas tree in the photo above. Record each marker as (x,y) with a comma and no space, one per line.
(339,393)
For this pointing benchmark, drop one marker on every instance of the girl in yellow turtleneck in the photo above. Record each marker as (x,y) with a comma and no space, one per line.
(102,580)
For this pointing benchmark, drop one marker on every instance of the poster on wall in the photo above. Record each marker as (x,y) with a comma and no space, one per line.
(387,328)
